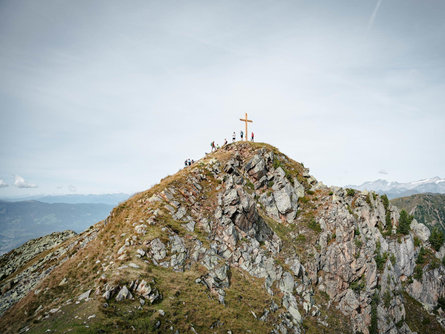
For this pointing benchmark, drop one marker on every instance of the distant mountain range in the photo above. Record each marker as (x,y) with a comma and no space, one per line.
(112,199)
(30,217)
(21,221)
(396,189)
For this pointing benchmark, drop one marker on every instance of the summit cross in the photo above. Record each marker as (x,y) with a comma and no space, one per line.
(246,121)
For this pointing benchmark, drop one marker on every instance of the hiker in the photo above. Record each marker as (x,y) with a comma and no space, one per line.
(225,141)
(252,137)
(217,146)
(212,145)
(233,137)
(242,134)
(185,163)
(193,161)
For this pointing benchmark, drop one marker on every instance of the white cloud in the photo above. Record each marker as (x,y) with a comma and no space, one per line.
(3,184)
(72,188)
(384,172)
(21,183)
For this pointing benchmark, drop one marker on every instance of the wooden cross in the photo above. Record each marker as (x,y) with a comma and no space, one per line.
(246,121)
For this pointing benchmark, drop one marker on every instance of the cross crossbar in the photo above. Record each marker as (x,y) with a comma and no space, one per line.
(246,120)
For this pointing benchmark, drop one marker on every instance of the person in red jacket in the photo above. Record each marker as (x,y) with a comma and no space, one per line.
(252,137)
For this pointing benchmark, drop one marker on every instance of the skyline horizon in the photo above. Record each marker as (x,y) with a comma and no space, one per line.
(134,191)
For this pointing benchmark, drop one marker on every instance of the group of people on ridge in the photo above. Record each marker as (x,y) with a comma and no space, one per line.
(214,146)
(241,134)
(188,162)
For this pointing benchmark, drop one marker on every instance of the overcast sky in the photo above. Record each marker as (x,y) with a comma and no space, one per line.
(112,96)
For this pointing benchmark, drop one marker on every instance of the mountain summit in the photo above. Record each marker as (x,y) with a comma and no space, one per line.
(243,241)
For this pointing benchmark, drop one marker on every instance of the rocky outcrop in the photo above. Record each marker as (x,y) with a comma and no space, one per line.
(16,258)
(315,251)
(29,264)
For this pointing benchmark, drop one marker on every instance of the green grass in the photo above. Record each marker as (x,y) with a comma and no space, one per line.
(418,319)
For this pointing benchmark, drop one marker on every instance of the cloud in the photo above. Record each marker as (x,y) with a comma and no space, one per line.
(3,184)
(72,188)
(374,14)
(21,183)
(384,172)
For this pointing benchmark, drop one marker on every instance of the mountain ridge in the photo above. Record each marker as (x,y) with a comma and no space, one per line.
(243,240)
(399,189)
(111,198)
(24,220)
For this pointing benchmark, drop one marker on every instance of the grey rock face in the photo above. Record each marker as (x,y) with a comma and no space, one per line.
(158,249)
(420,230)
(287,283)
(124,293)
(430,288)
(256,167)
(84,295)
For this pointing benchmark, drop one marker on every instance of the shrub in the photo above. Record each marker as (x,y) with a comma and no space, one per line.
(380,259)
(310,192)
(441,303)
(443,261)
(250,185)
(276,163)
(331,193)
(358,242)
(437,238)
(385,202)
(368,200)
(421,256)
(357,286)
(314,225)
(303,199)
(301,238)
(350,192)
(356,231)
(418,272)
(416,241)
(270,184)
(435,263)
(388,223)
(392,258)
(404,222)
(374,303)
(377,246)
(387,298)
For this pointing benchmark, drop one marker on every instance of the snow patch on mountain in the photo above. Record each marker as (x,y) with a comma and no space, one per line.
(396,189)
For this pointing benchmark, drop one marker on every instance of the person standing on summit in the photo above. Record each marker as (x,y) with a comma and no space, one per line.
(242,134)
(233,136)
(252,137)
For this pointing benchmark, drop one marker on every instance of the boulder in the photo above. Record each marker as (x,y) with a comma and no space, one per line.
(84,295)
(124,293)
(287,283)
(420,230)
(158,249)
(256,167)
